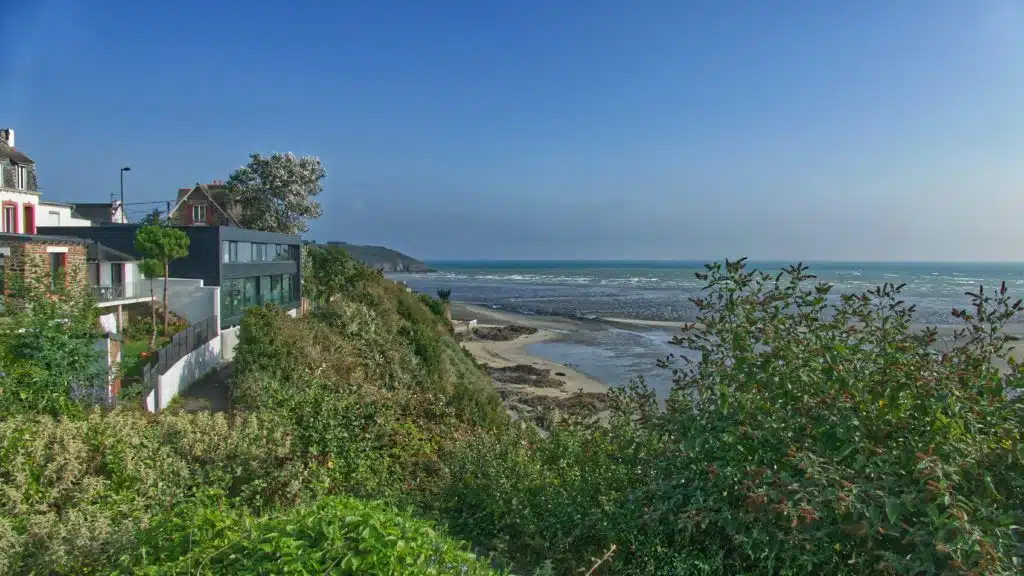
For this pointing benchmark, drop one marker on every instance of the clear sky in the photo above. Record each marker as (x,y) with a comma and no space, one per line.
(857,129)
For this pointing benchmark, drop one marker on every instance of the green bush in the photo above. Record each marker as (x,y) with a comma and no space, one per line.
(49,363)
(334,535)
(75,491)
(811,439)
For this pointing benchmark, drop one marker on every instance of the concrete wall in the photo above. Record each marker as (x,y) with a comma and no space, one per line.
(183,374)
(186,297)
(228,342)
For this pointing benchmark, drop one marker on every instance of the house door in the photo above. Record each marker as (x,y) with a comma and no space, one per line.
(30,219)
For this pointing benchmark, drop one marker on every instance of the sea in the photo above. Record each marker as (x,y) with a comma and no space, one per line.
(660,290)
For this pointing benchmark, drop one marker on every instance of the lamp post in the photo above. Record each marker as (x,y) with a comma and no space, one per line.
(123,170)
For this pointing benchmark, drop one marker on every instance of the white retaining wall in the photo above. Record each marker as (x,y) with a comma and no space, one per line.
(184,373)
(186,297)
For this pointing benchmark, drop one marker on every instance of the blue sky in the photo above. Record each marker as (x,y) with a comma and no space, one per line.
(865,129)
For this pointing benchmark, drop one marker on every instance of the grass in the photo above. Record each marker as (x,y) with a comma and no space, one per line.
(132,362)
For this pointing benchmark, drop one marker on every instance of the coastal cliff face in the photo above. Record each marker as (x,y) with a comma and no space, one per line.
(384,258)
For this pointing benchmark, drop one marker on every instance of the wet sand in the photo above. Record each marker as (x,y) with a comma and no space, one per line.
(501,354)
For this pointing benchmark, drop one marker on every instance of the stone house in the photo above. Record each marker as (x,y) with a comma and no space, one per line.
(205,205)
(58,262)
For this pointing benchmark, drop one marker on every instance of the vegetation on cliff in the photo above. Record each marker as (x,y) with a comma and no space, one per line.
(380,257)
(817,436)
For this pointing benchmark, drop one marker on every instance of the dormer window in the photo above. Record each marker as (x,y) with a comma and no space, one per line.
(198,213)
(21,175)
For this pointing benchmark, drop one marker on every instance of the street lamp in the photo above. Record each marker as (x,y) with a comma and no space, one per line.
(123,170)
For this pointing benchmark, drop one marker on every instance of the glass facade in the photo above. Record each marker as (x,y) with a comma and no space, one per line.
(240,293)
(258,252)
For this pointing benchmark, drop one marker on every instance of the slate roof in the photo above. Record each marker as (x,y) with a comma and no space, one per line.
(97,251)
(13,155)
(43,238)
(97,213)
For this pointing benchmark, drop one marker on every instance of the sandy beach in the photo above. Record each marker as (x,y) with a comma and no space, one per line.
(513,354)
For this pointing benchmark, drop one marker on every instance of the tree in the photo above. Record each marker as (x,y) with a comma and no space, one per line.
(445,296)
(162,244)
(276,192)
(151,269)
(329,271)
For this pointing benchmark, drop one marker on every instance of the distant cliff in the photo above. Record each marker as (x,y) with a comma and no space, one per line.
(381,257)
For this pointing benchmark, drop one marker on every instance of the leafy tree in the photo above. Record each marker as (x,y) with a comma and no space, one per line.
(151,269)
(162,244)
(445,295)
(276,192)
(329,271)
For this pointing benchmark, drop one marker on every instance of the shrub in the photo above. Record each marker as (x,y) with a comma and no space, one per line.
(332,536)
(816,436)
(75,492)
(49,363)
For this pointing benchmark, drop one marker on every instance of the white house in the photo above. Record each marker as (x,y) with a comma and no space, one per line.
(57,214)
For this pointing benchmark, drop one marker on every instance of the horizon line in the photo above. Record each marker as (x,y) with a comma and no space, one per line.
(710,260)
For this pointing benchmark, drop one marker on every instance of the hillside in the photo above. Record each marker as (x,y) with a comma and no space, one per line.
(380,257)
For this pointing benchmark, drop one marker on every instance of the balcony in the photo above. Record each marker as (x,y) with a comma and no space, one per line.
(117,293)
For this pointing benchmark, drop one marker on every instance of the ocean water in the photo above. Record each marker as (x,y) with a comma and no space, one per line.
(660,290)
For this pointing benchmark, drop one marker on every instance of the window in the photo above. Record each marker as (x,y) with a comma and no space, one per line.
(275,289)
(54,218)
(22,176)
(250,292)
(258,252)
(58,270)
(10,219)
(116,274)
(286,288)
(282,252)
(198,213)
(225,251)
(233,253)
(232,302)
(244,252)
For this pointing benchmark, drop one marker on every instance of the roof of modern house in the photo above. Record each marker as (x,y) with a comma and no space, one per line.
(43,238)
(95,212)
(13,155)
(97,251)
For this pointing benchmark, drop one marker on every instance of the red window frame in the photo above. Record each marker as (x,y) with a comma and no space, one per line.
(3,207)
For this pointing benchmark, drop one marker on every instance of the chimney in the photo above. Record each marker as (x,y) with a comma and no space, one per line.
(7,136)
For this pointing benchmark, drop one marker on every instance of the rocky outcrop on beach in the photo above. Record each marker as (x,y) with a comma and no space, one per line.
(503,333)
(524,375)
